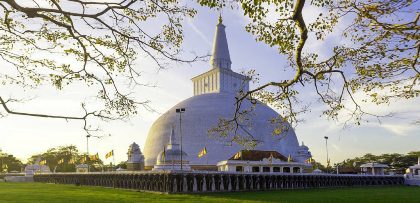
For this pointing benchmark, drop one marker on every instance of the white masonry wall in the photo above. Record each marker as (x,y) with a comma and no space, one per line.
(219,80)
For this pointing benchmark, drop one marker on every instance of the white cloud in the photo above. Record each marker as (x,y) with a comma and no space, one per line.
(198,32)
(402,129)
(336,147)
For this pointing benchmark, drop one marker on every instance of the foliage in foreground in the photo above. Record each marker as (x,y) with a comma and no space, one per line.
(376,60)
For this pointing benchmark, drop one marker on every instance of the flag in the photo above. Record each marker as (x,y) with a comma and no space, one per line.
(237,155)
(109,154)
(60,161)
(94,157)
(289,158)
(84,159)
(270,159)
(202,152)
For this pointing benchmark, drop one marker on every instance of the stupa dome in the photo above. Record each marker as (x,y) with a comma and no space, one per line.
(214,98)
(203,113)
(171,156)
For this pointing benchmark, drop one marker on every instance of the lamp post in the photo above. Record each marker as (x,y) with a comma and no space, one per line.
(87,143)
(180,111)
(337,168)
(87,146)
(87,150)
(326,147)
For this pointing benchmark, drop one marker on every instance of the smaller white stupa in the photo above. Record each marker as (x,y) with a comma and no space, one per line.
(135,160)
(415,170)
(32,169)
(170,158)
(303,153)
(413,177)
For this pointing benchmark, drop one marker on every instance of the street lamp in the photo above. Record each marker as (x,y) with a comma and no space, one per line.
(180,111)
(326,147)
(87,150)
(337,168)
(87,146)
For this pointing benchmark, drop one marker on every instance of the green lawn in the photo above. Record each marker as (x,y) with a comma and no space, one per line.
(41,192)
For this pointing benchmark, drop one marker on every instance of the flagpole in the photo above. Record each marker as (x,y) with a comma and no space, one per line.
(113,158)
(87,151)
(326,147)
(207,158)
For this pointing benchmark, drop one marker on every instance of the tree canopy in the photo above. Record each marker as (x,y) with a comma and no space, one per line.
(9,163)
(377,57)
(396,162)
(96,43)
(65,159)
(93,43)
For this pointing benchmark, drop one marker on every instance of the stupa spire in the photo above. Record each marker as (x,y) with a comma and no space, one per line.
(220,57)
(172,136)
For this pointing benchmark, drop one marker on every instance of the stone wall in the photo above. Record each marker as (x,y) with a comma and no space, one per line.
(177,182)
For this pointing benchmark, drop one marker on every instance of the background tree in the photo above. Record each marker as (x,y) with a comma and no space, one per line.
(9,163)
(122,164)
(318,165)
(378,56)
(70,156)
(92,43)
(397,162)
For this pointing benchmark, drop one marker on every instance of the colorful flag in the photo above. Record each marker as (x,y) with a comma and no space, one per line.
(202,152)
(237,155)
(289,158)
(109,154)
(84,159)
(94,157)
(270,159)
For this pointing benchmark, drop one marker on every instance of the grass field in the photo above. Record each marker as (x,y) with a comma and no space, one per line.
(41,192)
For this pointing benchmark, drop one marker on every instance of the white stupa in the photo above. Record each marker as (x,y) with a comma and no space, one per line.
(135,161)
(214,98)
(415,170)
(32,169)
(171,157)
(413,177)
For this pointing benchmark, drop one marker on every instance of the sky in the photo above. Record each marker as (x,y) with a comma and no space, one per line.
(24,136)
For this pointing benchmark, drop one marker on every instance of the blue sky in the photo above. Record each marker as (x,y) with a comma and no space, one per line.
(24,136)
